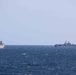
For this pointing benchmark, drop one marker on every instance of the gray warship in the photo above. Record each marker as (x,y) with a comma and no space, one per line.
(65,44)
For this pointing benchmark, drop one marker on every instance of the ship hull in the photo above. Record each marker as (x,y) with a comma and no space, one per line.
(64,45)
(2,46)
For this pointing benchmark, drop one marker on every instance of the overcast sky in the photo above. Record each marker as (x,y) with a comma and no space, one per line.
(37,22)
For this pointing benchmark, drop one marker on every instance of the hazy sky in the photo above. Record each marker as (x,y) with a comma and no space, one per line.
(33,22)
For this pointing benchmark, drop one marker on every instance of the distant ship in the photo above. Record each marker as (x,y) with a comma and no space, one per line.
(2,45)
(65,44)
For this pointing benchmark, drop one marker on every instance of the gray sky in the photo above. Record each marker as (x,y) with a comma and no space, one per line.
(37,22)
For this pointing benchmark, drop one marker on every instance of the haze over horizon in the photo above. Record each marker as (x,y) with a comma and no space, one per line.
(41,22)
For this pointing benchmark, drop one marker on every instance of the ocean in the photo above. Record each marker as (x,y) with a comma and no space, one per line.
(37,60)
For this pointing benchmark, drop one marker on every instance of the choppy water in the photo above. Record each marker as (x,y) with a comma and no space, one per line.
(37,60)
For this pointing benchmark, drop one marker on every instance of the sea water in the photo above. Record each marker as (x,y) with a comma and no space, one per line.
(37,60)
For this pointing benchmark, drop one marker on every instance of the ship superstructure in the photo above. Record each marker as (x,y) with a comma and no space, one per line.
(2,44)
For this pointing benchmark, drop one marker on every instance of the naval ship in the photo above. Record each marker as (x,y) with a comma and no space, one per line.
(65,44)
(2,45)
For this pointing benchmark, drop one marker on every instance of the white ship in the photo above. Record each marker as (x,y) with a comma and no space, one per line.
(2,45)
